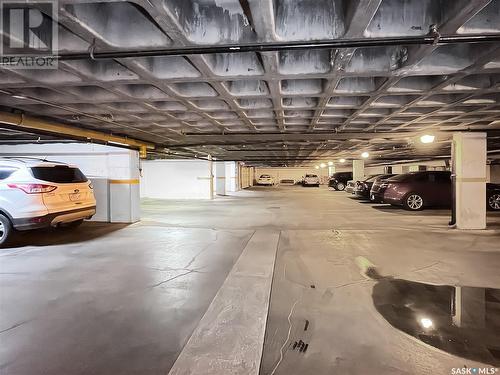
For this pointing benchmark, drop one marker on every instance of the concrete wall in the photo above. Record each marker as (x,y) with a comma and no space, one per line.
(114,172)
(176,179)
(493,173)
(246,176)
(408,167)
(292,173)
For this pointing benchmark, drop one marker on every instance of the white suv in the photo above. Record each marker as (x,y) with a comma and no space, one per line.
(265,179)
(311,180)
(37,193)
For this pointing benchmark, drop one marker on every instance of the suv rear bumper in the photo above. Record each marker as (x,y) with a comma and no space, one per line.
(53,219)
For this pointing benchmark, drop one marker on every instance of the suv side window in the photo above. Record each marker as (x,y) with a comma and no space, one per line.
(443,178)
(422,177)
(6,172)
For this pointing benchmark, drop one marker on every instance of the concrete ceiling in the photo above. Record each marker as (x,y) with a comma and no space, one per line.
(291,107)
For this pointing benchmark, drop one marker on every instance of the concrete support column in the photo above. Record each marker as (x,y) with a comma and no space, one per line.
(220,178)
(358,169)
(211,176)
(469,163)
(124,188)
(331,170)
(231,176)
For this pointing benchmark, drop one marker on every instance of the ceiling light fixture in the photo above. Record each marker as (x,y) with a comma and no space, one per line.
(365,154)
(330,163)
(19,96)
(316,166)
(427,138)
(342,160)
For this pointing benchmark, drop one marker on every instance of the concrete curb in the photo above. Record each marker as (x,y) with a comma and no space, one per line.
(229,338)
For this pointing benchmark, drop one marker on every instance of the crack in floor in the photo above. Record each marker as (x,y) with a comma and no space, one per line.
(15,326)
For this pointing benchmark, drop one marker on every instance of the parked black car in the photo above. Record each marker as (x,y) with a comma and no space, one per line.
(338,181)
(362,188)
(377,190)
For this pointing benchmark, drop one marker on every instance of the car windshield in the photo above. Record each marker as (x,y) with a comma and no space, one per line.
(371,178)
(59,174)
(311,175)
(402,177)
(264,176)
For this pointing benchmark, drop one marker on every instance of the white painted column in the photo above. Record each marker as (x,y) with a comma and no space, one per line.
(220,178)
(124,189)
(469,160)
(211,175)
(358,170)
(231,176)
(331,170)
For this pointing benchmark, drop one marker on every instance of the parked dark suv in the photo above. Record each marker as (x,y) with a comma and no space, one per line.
(417,190)
(338,181)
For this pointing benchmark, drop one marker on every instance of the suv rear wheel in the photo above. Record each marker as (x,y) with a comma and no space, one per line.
(6,231)
(413,202)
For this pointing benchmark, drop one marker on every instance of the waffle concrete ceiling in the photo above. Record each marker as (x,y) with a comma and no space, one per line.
(291,107)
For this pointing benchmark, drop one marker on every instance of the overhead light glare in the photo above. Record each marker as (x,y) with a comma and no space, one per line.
(342,160)
(19,96)
(427,138)
(330,163)
(426,323)
(365,155)
(316,166)
(322,165)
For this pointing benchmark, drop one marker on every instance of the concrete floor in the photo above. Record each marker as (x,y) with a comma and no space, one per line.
(117,299)
(108,299)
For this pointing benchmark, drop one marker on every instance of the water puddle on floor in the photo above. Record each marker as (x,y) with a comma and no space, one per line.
(460,320)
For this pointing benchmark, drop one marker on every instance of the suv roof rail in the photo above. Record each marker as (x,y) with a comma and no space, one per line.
(27,159)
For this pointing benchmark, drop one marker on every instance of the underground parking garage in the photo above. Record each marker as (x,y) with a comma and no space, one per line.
(250,187)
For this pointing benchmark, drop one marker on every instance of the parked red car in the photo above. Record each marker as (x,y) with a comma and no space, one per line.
(417,190)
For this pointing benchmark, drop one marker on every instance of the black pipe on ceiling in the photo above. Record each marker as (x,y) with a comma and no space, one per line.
(278,46)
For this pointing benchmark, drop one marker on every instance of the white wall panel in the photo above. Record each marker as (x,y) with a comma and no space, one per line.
(175,179)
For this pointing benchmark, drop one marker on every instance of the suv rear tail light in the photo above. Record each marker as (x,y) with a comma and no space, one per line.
(33,188)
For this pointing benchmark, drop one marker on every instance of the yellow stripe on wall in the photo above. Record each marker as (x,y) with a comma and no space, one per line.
(134,181)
